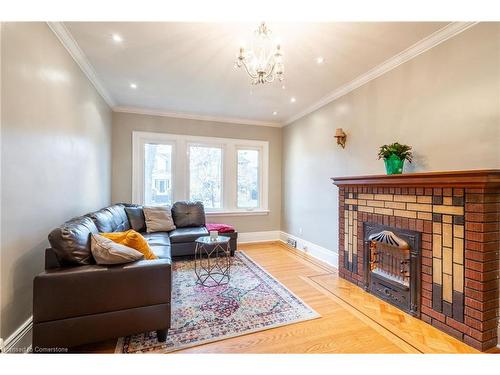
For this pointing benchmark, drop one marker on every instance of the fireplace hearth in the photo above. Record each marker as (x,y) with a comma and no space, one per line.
(392,265)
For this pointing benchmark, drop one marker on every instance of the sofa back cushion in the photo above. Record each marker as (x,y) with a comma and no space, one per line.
(188,214)
(71,241)
(136,218)
(111,219)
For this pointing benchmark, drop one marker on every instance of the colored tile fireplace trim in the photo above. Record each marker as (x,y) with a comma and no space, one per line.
(460,244)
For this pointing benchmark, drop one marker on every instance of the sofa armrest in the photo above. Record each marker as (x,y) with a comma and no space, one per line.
(75,291)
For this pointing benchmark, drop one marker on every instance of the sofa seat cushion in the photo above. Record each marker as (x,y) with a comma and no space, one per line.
(162,252)
(189,234)
(157,238)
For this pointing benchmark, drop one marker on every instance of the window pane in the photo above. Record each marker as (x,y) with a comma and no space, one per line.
(157,174)
(248,178)
(205,175)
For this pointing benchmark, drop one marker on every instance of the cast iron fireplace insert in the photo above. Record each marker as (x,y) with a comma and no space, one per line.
(392,266)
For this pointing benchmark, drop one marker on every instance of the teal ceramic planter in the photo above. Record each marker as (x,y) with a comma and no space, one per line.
(394,165)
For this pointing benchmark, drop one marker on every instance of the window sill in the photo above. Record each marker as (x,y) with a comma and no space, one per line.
(237,213)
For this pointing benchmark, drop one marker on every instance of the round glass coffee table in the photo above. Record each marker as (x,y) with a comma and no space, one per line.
(212,260)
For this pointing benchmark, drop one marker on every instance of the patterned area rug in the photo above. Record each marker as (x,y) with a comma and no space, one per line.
(252,301)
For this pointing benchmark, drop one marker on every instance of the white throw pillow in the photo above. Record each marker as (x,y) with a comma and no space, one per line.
(158,219)
(105,251)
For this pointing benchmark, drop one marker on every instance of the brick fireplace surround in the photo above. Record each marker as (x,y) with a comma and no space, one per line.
(458,217)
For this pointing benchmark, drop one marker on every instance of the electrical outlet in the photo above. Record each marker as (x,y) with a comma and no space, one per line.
(300,231)
(291,242)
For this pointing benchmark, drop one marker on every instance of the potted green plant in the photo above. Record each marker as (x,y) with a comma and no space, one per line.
(394,156)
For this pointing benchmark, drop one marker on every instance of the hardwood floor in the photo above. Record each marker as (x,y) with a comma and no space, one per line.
(352,321)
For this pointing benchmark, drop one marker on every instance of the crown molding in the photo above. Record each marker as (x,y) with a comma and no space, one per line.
(191,116)
(67,40)
(434,39)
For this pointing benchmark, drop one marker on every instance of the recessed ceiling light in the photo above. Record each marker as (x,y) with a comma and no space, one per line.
(283,87)
(293,100)
(133,86)
(320,60)
(275,113)
(117,38)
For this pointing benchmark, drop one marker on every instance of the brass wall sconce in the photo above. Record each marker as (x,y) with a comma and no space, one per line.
(341,137)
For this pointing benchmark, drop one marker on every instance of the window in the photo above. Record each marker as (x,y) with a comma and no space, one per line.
(157,174)
(205,175)
(230,176)
(248,178)
(161,186)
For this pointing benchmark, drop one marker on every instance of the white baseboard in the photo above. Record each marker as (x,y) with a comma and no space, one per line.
(251,237)
(20,340)
(328,256)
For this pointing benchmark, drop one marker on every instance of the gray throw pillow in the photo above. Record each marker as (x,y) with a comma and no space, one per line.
(106,252)
(158,219)
(136,218)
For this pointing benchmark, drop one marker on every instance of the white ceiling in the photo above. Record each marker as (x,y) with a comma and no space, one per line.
(188,68)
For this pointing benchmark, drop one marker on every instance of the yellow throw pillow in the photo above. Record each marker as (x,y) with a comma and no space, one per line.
(132,239)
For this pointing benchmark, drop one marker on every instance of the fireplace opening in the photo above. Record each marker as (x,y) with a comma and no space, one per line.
(392,265)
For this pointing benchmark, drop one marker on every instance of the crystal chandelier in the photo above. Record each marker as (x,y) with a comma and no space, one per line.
(264,61)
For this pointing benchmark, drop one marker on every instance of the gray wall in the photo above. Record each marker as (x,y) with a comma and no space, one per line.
(55,156)
(445,103)
(125,123)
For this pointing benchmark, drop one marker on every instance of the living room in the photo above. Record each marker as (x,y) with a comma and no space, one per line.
(288,185)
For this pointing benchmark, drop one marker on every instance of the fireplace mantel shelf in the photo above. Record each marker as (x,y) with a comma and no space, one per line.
(483,178)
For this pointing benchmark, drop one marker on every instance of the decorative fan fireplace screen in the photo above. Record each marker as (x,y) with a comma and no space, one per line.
(392,264)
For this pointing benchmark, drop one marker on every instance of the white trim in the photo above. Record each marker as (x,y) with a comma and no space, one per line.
(252,237)
(67,40)
(192,116)
(436,38)
(21,338)
(325,255)
(1,49)
(238,213)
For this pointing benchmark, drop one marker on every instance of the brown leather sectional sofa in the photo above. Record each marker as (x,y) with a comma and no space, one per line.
(76,301)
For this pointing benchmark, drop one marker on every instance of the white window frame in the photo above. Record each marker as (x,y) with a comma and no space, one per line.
(180,169)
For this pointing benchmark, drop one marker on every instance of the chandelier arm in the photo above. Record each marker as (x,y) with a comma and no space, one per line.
(254,76)
(270,73)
